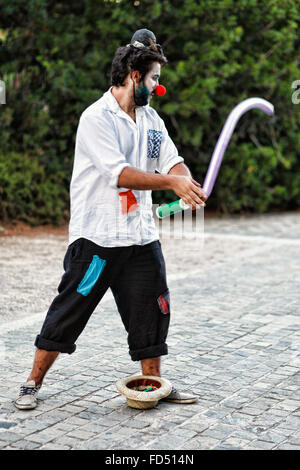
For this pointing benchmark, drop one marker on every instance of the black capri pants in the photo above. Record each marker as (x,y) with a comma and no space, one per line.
(137,277)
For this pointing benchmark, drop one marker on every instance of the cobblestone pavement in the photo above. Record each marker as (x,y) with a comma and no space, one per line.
(234,341)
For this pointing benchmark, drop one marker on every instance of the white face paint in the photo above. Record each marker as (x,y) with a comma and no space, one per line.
(151,78)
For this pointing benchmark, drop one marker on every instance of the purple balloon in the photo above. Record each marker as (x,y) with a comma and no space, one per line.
(226,134)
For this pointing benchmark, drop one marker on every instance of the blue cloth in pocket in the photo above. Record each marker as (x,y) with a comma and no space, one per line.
(153,143)
(91,276)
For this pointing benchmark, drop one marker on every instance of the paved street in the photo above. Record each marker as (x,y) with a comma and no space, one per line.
(234,341)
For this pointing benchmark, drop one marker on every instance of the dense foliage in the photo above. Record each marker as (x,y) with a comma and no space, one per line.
(55,60)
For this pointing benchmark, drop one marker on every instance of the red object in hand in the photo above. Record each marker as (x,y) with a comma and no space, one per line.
(160,90)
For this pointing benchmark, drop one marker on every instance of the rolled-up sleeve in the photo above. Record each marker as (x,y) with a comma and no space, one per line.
(97,138)
(168,155)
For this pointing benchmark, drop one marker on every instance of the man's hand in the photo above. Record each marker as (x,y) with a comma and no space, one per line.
(188,190)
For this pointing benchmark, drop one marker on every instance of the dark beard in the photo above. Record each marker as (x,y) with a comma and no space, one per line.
(140,95)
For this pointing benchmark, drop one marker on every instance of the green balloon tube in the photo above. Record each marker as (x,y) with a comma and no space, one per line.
(170,209)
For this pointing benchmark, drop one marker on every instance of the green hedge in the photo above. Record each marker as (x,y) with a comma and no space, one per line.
(28,194)
(55,59)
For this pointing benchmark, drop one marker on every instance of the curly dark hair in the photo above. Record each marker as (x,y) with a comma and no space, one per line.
(131,58)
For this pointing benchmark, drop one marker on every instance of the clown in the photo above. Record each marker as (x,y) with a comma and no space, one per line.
(122,153)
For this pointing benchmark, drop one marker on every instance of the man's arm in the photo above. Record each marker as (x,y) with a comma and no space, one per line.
(132,178)
(180,169)
(182,184)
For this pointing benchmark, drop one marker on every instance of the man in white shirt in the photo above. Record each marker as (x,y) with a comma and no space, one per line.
(122,153)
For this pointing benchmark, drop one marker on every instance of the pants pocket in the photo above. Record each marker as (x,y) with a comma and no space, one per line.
(91,276)
(164,302)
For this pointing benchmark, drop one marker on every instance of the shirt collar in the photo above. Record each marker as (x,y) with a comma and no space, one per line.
(113,105)
(111,101)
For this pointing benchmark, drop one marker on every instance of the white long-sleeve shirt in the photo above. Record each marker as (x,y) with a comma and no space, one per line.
(107,141)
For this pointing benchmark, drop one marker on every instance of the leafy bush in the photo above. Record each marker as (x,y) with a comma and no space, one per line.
(55,60)
(28,194)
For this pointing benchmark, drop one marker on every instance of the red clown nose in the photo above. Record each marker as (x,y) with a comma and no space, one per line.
(160,90)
